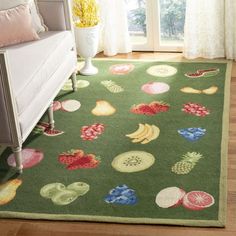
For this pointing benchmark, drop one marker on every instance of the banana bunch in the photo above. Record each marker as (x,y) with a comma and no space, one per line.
(144,134)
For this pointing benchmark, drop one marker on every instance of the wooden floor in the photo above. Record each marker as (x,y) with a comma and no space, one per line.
(47,228)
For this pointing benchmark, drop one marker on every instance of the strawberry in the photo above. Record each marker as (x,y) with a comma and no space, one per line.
(150,109)
(85,162)
(70,156)
(143,109)
(159,106)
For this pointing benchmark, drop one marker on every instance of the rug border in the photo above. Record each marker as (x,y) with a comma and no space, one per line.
(223,177)
(111,219)
(200,60)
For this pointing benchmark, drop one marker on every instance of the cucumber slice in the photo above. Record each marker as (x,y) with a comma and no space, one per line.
(79,187)
(133,161)
(64,197)
(49,190)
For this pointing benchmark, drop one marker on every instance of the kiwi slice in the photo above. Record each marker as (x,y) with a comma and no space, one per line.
(64,197)
(49,190)
(133,161)
(80,188)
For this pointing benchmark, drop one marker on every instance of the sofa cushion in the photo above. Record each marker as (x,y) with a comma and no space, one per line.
(37,20)
(13,19)
(36,62)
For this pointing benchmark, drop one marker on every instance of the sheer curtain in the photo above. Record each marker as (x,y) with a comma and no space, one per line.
(114,27)
(210,30)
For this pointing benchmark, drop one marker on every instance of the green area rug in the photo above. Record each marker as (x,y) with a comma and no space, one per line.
(140,142)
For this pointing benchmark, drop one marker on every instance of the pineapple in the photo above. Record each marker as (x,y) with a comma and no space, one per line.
(184,166)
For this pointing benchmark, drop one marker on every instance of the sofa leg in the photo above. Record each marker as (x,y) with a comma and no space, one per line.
(74,81)
(18,158)
(50,116)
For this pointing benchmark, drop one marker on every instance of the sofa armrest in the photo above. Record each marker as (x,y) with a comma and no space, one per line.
(56,14)
(10,134)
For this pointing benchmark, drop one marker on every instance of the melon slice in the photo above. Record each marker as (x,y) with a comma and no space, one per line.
(70,105)
(170,197)
(162,70)
(198,200)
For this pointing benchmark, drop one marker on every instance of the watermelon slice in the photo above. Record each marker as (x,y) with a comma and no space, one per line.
(203,73)
(198,200)
(170,197)
(52,132)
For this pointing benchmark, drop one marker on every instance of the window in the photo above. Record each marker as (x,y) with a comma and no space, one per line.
(156,25)
(137,21)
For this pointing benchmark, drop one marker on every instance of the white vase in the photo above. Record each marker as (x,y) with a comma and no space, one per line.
(87,40)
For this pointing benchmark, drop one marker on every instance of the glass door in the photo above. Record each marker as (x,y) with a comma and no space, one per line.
(171,15)
(156,25)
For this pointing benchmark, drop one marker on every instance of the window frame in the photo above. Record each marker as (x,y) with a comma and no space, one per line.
(153,31)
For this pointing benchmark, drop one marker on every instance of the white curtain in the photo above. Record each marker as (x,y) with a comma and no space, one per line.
(210,30)
(114,27)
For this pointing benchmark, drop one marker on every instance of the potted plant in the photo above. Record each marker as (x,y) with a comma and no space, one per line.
(86,32)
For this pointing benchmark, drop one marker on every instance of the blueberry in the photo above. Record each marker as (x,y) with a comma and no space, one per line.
(121,200)
(128,192)
(115,192)
(110,198)
(199,133)
(191,130)
(123,186)
(181,131)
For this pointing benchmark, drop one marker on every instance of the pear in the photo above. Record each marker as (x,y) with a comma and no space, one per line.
(211,90)
(190,90)
(103,108)
(8,190)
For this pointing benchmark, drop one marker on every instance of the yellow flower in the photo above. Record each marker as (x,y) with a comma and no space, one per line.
(86,12)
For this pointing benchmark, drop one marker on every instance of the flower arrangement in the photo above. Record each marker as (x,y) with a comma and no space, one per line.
(87,13)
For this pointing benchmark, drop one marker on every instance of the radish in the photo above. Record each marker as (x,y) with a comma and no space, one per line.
(30,158)
(155,87)
(56,105)
(170,197)
(198,200)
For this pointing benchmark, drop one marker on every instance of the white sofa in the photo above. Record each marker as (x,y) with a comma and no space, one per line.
(31,75)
